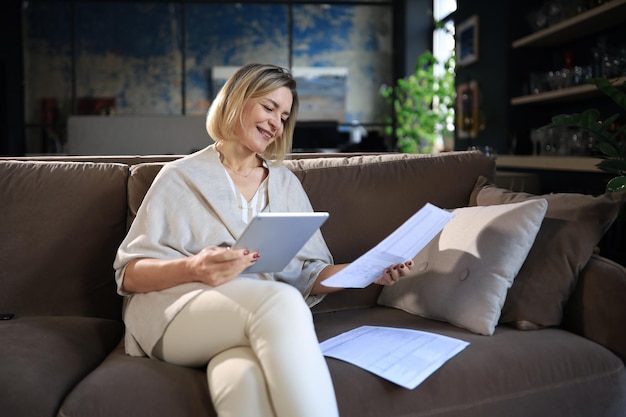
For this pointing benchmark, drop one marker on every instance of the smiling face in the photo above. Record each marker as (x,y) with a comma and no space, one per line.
(263,119)
(248,107)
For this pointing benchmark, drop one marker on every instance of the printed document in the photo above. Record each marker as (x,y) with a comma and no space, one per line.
(401,245)
(403,356)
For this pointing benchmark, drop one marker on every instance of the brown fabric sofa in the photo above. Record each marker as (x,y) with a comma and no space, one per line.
(61,355)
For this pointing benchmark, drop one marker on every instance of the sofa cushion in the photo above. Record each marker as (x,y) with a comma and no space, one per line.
(43,358)
(462,276)
(548,372)
(573,226)
(69,217)
(512,373)
(129,386)
(140,179)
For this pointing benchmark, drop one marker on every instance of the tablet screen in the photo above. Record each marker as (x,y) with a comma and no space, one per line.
(278,237)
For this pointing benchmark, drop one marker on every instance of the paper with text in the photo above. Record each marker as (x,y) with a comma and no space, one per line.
(403,356)
(400,246)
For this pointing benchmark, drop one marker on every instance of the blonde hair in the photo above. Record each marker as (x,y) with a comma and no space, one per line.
(250,81)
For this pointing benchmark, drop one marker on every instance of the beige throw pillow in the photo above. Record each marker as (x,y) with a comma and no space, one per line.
(462,275)
(572,228)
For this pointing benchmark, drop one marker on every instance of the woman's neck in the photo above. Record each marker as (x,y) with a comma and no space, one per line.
(237,158)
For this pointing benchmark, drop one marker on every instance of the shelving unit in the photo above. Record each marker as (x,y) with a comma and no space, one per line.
(536,52)
(540,50)
(592,21)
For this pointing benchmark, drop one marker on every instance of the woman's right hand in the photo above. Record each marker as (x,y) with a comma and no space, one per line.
(215,265)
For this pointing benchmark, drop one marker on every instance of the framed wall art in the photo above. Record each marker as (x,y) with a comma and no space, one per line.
(467,41)
(468,114)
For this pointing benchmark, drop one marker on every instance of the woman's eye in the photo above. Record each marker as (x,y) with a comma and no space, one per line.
(269,109)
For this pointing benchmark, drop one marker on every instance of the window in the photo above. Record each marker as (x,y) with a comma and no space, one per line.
(444,50)
(443,34)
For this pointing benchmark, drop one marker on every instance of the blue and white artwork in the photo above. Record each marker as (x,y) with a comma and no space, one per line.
(321,90)
(158,58)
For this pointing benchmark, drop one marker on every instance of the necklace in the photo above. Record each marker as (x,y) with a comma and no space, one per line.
(231,169)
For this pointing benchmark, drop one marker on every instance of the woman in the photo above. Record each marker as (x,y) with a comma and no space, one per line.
(187,300)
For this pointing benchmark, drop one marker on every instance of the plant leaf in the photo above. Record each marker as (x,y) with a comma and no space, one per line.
(608,149)
(606,86)
(616,184)
(614,166)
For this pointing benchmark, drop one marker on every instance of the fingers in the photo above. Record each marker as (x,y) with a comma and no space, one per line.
(406,268)
(226,254)
(217,265)
(394,273)
(243,257)
(222,253)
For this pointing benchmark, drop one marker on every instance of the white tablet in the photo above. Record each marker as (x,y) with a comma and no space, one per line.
(278,237)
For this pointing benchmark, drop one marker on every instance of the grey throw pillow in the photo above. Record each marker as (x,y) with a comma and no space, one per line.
(463,275)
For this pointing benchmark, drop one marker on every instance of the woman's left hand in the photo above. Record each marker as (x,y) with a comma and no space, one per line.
(394,273)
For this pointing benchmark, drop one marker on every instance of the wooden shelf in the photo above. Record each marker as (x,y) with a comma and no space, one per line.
(599,18)
(550,163)
(577,92)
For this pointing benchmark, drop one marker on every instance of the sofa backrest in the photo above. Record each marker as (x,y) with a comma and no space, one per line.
(367,196)
(60,226)
(61,222)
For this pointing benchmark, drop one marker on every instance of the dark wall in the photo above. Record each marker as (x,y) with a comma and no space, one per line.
(11,82)
(418,32)
(490,71)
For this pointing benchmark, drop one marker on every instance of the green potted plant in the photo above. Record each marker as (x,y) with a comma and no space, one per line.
(609,134)
(423,105)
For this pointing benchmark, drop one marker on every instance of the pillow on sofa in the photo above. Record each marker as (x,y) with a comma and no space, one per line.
(573,226)
(462,275)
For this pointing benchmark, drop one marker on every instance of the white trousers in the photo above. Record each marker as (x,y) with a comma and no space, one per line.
(261,348)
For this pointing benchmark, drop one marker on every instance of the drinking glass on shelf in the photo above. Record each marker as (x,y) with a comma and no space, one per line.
(535,140)
(541,141)
(581,143)
(538,82)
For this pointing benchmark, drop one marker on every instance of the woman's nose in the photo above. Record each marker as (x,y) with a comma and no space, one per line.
(275,122)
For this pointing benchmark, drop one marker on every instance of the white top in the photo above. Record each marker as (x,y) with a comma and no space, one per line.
(258,203)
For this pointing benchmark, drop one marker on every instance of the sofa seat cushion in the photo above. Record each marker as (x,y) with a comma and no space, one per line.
(43,358)
(125,386)
(512,373)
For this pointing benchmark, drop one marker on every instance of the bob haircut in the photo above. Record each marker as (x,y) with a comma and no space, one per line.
(250,81)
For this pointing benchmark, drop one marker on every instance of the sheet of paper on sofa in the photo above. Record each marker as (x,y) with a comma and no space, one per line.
(401,245)
(403,356)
